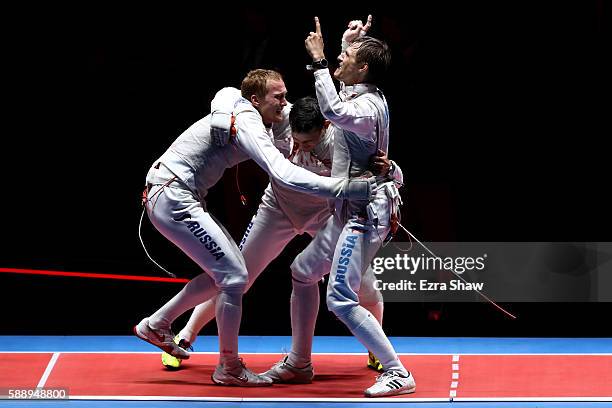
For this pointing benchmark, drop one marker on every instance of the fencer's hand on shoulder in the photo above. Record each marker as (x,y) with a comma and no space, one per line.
(356,29)
(314,42)
(220,127)
(361,188)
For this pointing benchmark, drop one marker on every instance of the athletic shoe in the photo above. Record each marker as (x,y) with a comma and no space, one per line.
(162,338)
(392,383)
(283,372)
(243,377)
(171,362)
(374,363)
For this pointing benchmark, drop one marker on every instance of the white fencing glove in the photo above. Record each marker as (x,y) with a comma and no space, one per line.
(396,174)
(360,188)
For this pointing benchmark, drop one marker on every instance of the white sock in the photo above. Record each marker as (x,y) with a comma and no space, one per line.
(369,332)
(228,313)
(198,290)
(202,314)
(304,310)
(376,310)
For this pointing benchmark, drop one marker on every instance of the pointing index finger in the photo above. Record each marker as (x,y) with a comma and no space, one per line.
(368,24)
(317,25)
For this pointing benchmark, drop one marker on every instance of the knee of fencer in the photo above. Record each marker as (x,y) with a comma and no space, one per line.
(233,291)
(238,278)
(302,278)
(236,284)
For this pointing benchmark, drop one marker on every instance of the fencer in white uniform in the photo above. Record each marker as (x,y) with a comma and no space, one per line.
(351,238)
(178,183)
(284,213)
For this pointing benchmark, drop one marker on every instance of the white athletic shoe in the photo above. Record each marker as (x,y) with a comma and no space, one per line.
(392,383)
(283,372)
(162,338)
(242,377)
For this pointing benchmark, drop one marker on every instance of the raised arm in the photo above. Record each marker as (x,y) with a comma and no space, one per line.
(355,29)
(357,116)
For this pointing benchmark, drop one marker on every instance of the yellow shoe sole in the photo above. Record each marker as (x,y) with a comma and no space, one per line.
(373,363)
(171,362)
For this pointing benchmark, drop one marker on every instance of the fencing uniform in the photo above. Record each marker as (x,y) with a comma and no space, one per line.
(283,213)
(350,239)
(178,184)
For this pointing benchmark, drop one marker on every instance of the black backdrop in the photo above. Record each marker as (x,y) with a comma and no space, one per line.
(499,119)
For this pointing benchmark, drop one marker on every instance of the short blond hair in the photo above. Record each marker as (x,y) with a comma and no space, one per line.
(255,82)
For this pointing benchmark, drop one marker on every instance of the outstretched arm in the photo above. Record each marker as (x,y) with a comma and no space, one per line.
(253,140)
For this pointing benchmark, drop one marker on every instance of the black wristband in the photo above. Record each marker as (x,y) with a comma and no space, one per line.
(319,64)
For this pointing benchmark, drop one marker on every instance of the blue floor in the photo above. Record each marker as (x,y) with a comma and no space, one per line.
(337,344)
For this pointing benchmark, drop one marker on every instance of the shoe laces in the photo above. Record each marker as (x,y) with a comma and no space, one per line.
(387,374)
(241,363)
(283,361)
(245,371)
(240,367)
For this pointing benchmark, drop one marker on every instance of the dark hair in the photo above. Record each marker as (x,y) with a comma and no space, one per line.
(376,54)
(305,115)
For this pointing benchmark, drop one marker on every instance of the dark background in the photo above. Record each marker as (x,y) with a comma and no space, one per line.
(499,118)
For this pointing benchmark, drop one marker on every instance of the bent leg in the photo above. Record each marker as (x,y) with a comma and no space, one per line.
(264,239)
(307,270)
(182,219)
(370,297)
(356,247)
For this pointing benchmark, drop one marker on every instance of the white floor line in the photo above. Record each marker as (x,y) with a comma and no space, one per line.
(455,377)
(361,400)
(248,399)
(45,376)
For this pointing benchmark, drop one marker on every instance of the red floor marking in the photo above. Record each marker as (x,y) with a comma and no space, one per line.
(337,376)
(22,369)
(93,275)
(535,376)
